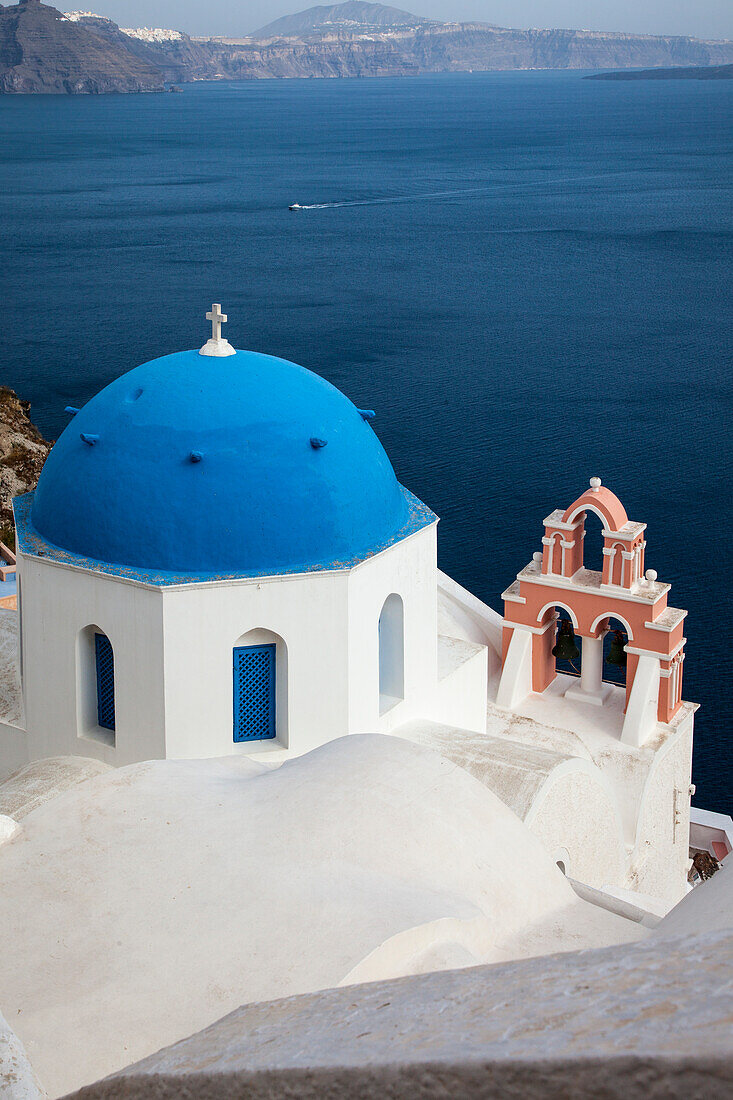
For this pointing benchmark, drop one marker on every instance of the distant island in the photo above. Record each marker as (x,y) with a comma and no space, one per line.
(45,50)
(692,72)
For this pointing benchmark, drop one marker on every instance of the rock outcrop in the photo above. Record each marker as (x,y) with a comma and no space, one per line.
(23,450)
(42,51)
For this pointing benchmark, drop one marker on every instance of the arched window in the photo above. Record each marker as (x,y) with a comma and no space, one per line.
(614,643)
(254,692)
(556,554)
(260,687)
(593,541)
(565,640)
(105,668)
(95,681)
(391,653)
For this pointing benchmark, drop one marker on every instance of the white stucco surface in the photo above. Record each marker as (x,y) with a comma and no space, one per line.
(173,658)
(38,782)
(142,904)
(566,801)
(61,609)
(8,828)
(11,698)
(635,833)
(707,908)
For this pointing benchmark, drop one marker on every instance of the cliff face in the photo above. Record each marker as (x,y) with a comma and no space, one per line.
(450,47)
(175,61)
(40,51)
(23,450)
(476,46)
(322,57)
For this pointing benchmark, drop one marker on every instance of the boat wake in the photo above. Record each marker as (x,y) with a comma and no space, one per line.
(455,193)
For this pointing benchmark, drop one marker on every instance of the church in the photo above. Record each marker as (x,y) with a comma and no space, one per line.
(218,559)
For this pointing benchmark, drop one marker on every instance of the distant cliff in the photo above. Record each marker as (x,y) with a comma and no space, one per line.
(354,15)
(357,39)
(41,51)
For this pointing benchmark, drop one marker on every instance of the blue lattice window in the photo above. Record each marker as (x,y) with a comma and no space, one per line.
(254,692)
(105,662)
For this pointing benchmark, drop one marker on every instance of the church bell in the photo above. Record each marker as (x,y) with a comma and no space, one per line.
(565,647)
(616,652)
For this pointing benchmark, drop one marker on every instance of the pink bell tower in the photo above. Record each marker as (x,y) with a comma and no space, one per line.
(557,577)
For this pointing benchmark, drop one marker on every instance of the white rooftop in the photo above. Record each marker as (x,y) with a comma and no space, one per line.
(178,890)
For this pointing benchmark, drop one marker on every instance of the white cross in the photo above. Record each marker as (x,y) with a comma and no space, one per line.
(217,318)
(216,345)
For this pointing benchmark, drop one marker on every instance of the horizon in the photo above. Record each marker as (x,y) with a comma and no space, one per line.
(709,19)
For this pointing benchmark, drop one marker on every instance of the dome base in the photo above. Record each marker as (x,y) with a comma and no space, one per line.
(217,348)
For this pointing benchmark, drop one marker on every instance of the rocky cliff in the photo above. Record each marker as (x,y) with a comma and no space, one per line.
(23,450)
(176,60)
(340,48)
(42,51)
(478,46)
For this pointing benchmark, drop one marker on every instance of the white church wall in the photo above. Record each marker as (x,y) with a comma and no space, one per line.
(305,615)
(476,621)
(459,697)
(407,570)
(13,749)
(60,606)
(661,849)
(575,810)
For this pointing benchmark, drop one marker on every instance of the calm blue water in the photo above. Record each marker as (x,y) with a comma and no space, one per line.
(559,308)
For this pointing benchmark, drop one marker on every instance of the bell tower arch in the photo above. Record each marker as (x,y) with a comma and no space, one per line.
(652,651)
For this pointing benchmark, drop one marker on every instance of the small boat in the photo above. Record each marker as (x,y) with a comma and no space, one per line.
(295,206)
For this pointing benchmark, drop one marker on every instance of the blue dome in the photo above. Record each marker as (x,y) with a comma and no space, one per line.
(202,465)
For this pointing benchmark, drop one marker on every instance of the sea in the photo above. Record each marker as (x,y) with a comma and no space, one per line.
(527,275)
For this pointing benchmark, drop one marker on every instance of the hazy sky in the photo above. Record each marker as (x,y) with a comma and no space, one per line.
(702,18)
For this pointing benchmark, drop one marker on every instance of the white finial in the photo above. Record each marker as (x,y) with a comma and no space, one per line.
(217,345)
(537,556)
(651,575)
(595,484)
